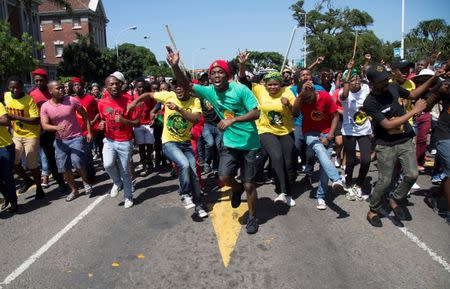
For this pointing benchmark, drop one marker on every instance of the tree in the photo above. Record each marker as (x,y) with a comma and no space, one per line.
(88,61)
(331,30)
(428,37)
(163,69)
(16,55)
(133,60)
(260,60)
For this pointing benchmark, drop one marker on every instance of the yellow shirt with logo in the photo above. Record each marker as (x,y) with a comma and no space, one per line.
(409,85)
(274,118)
(5,137)
(176,128)
(25,107)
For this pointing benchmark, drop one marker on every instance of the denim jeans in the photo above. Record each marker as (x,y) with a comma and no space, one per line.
(327,169)
(44,163)
(305,152)
(211,135)
(7,185)
(182,155)
(117,160)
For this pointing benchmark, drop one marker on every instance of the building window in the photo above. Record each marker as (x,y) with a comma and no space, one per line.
(57,24)
(59,50)
(76,23)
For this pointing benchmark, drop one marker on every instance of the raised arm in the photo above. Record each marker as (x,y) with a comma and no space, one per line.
(173,59)
(346,87)
(132,105)
(243,57)
(319,60)
(416,93)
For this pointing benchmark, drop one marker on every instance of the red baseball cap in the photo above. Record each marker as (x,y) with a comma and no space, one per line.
(222,64)
(77,79)
(40,71)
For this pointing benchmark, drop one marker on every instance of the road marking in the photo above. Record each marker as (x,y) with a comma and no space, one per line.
(225,220)
(25,265)
(424,247)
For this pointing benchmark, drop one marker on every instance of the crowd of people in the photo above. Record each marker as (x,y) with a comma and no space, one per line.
(229,124)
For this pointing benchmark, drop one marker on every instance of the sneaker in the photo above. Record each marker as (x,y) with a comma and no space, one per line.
(433,152)
(44,182)
(252,225)
(88,189)
(115,190)
(359,194)
(321,204)
(307,181)
(415,186)
(72,196)
(139,167)
(281,198)
(201,212)
(187,202)
(144,173)
(128,203)
(95,157)
(338,186)
(206,169)
(375,221)
(290,201)
(351,194)
(337,162)
(436,179)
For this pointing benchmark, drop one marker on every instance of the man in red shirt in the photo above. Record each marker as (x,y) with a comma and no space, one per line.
(40,95)
(320,118)
(90,105)
(118,144)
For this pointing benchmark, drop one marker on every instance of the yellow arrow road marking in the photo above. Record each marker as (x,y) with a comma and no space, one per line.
(226,224)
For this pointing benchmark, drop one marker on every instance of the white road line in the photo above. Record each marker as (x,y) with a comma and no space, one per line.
(424,247)
(16,273)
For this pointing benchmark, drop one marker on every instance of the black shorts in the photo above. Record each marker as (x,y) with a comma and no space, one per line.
(232,159)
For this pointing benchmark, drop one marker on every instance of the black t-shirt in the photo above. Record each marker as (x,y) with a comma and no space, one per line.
(442,129)
(387,105)
(208,112)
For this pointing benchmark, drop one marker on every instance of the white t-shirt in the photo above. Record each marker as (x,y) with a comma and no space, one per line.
(355,122)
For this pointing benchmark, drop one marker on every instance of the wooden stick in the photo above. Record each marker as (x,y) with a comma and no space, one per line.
(354,46)
(174,46)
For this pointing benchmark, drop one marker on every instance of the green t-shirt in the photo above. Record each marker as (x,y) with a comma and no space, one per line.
(237,100)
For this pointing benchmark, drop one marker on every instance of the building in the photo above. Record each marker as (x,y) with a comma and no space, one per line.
(59,28)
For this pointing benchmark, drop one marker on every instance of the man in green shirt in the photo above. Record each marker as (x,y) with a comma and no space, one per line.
(237,107)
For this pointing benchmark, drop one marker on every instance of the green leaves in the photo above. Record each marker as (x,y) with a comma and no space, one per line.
(16,56)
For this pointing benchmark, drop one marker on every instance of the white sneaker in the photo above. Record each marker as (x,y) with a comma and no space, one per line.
(321,204)
(433,152)
(87,189)
(290,201)
(337,162)
(201,212)
(415,186)
(115,191)
(187,202)
(128,203)
(281,198)
(359,194)
(338,186)
(351,194)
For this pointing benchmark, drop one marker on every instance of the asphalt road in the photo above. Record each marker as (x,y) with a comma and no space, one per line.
(96,243)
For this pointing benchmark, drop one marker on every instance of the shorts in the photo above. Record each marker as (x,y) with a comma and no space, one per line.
(31,148)
(69,154)
(143,134)
(443,150)
(232,159)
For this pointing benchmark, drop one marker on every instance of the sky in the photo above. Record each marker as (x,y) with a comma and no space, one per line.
(207,30)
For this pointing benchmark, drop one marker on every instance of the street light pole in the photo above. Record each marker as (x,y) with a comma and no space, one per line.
(402,48)
(117,37)
(146,37)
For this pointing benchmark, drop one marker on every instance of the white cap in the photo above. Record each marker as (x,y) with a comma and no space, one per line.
(426,71)
(119,76)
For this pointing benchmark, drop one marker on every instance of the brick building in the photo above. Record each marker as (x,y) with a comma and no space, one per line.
(59,29)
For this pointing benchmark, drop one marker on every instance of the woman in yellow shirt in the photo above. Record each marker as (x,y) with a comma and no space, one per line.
(275,128)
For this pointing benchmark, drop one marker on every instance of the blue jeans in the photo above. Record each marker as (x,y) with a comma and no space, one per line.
(211,135)
(327,169)
(117,160)
(182,155)
(7,185)
(44,163)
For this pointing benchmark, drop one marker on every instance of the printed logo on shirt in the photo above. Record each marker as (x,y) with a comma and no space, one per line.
(16,124)
(275,118)
(177,124)
(317,115)
(227,114)
(360,117)
(208,105)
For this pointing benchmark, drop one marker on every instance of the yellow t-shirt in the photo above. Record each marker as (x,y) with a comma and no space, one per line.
(5,137)
(274,118)
(409,85)
(25,107)
(176,128)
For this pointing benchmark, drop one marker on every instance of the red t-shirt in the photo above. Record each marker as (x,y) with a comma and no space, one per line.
(108,108)
(317,117)
(143,109)
(40,97)
(90,105)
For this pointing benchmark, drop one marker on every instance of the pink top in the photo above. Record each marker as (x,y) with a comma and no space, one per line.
(63,113)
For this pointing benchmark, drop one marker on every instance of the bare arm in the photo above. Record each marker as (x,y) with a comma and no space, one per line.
(387,124)
(45,123)
(29,120)
(138,100)
(193,117)
(173,59)
(319,60)
(416,93)
(4,120)
(346,87)
(249,116)
(84,115)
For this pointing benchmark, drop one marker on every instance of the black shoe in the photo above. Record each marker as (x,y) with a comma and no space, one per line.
(252,225)
(375,221)
(206,169)
(4,206)
(236,197)
(25,186)
(307,181)
(402,213)
(13,208)
(40,194)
